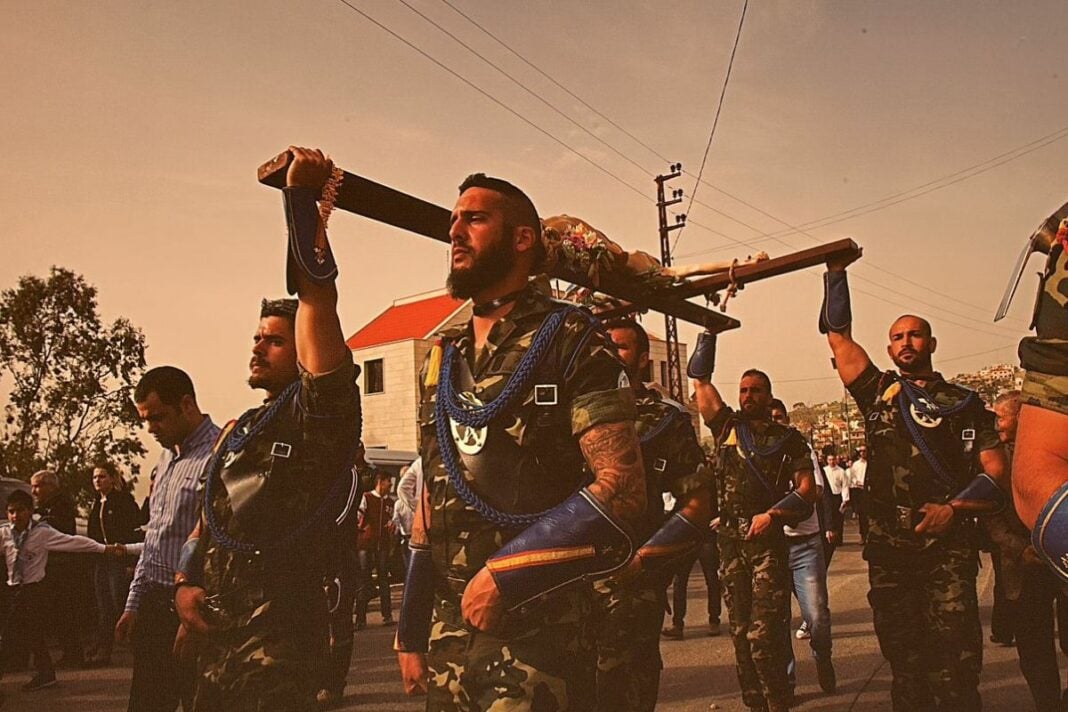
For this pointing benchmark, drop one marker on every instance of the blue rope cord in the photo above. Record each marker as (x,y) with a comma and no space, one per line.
(235,442)
(448,406)
(748,443)
(660,427)
(909,395)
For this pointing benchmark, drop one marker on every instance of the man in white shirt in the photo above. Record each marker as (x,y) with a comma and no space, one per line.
(857,494)
(838,486)
(808,569)
(26,545)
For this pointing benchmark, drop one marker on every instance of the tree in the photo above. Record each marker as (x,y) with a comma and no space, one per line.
(70,378)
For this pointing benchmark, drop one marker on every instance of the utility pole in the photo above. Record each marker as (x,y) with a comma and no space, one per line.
(671,328)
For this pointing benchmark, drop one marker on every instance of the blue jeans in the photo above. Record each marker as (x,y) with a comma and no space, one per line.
(809,571)
(111,584)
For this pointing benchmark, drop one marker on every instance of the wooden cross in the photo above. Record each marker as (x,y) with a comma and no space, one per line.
(379,202)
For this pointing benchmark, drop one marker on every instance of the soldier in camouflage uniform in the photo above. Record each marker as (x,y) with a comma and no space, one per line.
(515,405)
(757,462)
(927,439)
(249,585)
(629,609)
(1040,464)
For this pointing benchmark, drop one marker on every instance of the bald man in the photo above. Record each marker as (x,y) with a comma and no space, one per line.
(926,439)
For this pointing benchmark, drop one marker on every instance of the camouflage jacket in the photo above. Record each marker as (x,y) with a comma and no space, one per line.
(740,494)
(528,459)
(674,461)
(898,473)
(278,481)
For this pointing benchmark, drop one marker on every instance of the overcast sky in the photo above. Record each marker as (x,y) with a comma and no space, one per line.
(131,133)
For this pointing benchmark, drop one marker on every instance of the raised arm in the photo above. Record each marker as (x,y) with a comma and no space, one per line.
(320,342)
(836,321)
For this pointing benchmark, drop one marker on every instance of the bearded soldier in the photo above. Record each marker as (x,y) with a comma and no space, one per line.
(515,404)
(763,476)
(926,438)
(249,583)
(629,609)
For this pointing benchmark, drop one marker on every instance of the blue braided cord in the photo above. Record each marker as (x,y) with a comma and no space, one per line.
(745,435)
(518,384)
(660,427)
(447,406)
(914,392)
(920,439)
(235,442)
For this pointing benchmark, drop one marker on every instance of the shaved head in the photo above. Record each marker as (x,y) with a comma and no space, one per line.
(924,324)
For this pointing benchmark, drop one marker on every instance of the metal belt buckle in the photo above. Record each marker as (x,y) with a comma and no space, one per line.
(904,518)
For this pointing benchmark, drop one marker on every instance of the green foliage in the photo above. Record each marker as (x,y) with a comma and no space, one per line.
(69,378)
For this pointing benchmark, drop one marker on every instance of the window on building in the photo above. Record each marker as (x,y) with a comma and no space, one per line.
(663,373)
(373,379)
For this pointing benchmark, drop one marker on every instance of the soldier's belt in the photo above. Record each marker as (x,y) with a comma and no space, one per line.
(577,540)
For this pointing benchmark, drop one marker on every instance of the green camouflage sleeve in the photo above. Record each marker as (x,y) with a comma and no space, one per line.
(864,388)
(329,415)
(799,452)
(592,377)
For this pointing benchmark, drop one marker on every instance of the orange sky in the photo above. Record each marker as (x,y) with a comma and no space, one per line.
(131,134)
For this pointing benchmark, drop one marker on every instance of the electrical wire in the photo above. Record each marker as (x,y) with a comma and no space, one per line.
(715,120)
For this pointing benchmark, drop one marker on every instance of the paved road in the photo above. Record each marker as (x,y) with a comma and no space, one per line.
(698,676)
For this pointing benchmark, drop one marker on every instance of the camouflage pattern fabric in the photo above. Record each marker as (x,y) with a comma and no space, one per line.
(628,617)
(1045,390)
(626,624)
(925,580)
(270,637)
(674,461)
(740,495)
(898,474)
(927,621)
(1047,351)
(756,587)
(539,662)
(755,573)
(528,460)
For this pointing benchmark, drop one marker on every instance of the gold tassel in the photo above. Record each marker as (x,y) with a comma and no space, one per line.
(890,393)
(731,440)
(433,366)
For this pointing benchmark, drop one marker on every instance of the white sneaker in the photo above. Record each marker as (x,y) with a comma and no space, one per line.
(802,631)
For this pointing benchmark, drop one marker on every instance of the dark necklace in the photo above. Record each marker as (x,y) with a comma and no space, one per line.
(492,306)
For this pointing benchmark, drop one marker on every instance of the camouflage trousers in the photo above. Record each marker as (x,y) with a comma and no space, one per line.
(626,628)
(756,588)
(540,661)
(271,664)
(927,620)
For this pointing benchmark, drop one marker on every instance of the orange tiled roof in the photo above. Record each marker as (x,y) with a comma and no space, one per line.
(413,320)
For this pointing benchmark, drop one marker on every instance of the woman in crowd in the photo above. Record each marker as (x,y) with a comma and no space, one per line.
(114,519)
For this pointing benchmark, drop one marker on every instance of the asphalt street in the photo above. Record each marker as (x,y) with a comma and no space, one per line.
(699,670)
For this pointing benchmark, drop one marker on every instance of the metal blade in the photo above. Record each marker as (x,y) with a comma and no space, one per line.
(1014,280)
(1041,240)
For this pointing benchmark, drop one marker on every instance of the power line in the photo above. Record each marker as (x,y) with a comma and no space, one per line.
(715,120)
(544,131)
(699,179)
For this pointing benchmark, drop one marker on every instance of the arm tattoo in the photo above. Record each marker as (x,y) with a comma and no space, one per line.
(614,456)
(420,523)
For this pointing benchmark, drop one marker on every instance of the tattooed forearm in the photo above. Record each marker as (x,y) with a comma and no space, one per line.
(614,456)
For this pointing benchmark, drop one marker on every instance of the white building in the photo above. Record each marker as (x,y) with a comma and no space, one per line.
(390,350)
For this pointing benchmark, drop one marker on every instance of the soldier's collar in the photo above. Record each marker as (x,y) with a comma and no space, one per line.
(493,305)
(926,378)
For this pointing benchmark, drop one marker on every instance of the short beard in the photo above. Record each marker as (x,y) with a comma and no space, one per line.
(486,269)
(918,366)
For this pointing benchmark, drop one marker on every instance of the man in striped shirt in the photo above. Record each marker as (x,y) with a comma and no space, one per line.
(167,404)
